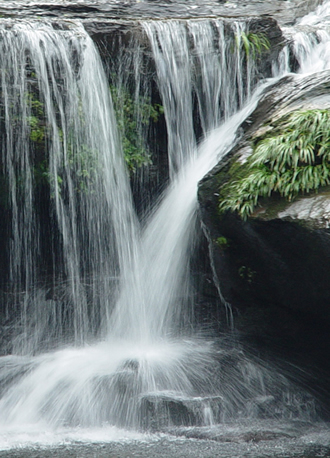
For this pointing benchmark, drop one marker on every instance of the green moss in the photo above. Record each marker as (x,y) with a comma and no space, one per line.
(247,274)
(291,159)
(222,242)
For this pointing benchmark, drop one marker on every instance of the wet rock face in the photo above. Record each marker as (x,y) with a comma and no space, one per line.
(274,267)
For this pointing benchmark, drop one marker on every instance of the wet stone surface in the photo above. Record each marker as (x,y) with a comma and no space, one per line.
(163,408)
(284,11)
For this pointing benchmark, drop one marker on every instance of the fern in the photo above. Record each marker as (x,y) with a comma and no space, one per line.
(253,44)
(294,159)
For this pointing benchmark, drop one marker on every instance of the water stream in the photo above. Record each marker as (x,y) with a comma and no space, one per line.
(122,349)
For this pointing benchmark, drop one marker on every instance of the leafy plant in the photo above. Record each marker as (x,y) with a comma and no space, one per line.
(222,242)
(36,106)
(82,163)
(35,121)
(246,273)
(132,116)
(37,130)
(253,44)
(84,166)
(293,159)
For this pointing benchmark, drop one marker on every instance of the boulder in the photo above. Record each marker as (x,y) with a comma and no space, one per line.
(274,267)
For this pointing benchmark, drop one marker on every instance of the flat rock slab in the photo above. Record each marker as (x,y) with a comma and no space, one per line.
(284,11)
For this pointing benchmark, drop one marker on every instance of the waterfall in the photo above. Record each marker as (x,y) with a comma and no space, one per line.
(211,72)
(209,66)
(310,41)
(104,382)
(122,337)
(142,352)
(59,132)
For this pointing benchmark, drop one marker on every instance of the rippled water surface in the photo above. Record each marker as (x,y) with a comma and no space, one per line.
(281,440)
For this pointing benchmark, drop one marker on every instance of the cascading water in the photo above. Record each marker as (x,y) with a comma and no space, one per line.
(59,131)
(310,42)
(142,329)
(207,66)
(156,308)
(124,285)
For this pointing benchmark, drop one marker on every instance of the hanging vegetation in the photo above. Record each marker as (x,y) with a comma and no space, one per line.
(133,116)
(253,44)
(292,158)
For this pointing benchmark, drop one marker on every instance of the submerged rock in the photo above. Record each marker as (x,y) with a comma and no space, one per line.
(164,409)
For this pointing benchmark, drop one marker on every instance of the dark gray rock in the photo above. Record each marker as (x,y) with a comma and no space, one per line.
(274,268)
(167,409)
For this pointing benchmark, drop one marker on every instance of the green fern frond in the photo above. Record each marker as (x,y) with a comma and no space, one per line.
(253,44)
(294,160)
